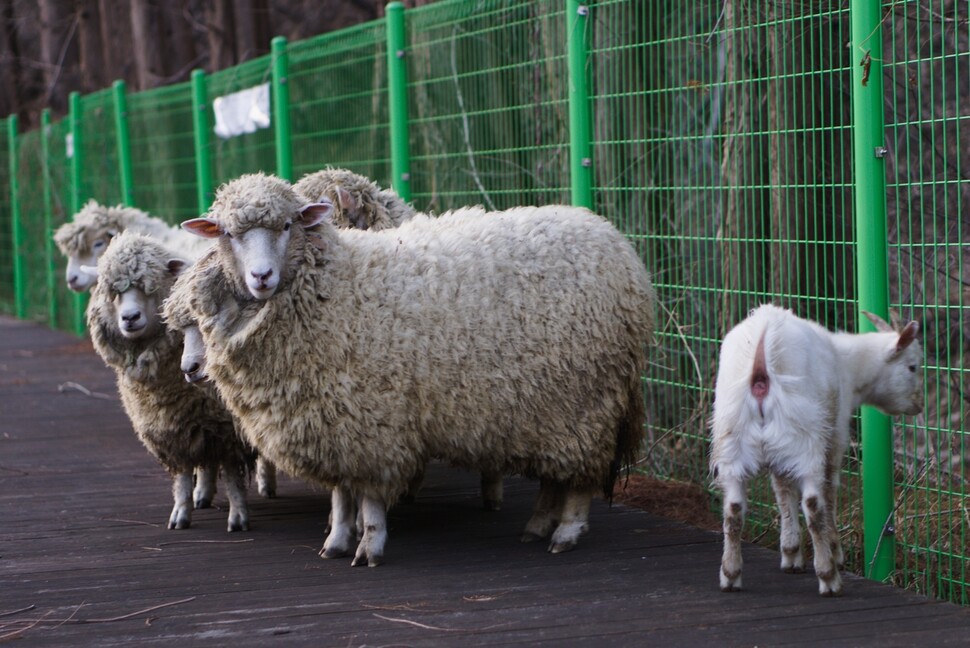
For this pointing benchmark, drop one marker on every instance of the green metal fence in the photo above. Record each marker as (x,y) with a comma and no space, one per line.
(744,148)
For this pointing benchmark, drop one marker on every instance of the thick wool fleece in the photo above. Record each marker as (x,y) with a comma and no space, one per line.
(179,424)
(96,221)
(378,208)
(507,342)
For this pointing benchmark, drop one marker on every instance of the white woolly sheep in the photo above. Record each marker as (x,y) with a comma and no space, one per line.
(86,237)
(511,342)
(785,392)
(358,202)
(182,426)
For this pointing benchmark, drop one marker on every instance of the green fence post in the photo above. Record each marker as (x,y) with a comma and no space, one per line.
(119,94)
(872,269)
(281,109)
(77,192)
(46,189)
(200,124)
(580,147)
(397,80)
(17,233)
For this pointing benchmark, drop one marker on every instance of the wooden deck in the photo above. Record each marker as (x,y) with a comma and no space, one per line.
(86,559)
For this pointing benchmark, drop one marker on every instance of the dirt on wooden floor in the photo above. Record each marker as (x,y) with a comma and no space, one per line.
(674,500)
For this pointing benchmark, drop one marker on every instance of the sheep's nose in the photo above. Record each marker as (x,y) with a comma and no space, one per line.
(262,276)
(131,317)
(192,368)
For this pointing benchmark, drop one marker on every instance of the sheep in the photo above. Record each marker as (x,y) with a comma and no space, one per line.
(86,238)
(511,342)
(182,426)
(357,201)
(786,389)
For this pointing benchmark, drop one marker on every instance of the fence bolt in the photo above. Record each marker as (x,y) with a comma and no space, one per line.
(587,162)
(889,530)
(405,177)
(582,10)
(881,152)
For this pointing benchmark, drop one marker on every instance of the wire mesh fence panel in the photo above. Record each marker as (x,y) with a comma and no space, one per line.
(338,102)
(487,104)
(163,152)
(927,63)
(246,152)
(7,252)
(722,148)
(101,180)
(34,255)
(65,303)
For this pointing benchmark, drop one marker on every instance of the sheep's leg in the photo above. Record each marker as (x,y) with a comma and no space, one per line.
(492,491)
(371,547)
(205,486)
(573,518)
(341,534)
(235,478)
(792,557)
(735,506)
(543,519)
(265,477)
(820,527)
(181,517)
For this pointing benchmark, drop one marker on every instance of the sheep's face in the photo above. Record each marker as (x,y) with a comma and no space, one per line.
(86,255)
(193,355)
(136,313)
(259,252)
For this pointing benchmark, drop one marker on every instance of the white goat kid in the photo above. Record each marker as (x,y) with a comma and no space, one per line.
(785,393)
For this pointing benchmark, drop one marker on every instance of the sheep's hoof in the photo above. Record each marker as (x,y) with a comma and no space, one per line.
(203,503)
(179,524)
(831,593)
(528,536)
(238,526)
(492,505)
(730,588)
(268,493)
(793,569)
(562,547)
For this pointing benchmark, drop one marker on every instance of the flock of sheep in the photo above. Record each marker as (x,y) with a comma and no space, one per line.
(328,329)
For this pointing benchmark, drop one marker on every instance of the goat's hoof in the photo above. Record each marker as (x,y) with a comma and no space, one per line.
(178,525)
(238,526)
(330,553)
(562,547)
(370,561)
(831,593)
(528,536)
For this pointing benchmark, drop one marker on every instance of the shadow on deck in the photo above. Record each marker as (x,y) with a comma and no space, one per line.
(86,559)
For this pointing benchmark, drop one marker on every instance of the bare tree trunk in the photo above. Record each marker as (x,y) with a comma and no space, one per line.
(252,29)
(221,34)
(149,54)
(59,51)
(181,53)
(9,61)
(89,43)
(117,46)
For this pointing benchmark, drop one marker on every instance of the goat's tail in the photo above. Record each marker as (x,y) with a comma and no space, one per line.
(630,434)
(760,383)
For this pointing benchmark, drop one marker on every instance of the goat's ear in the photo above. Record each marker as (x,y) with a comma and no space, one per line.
(90,270)
(176,266)
(204,227)
(879,323)
(907,336)
(315,213)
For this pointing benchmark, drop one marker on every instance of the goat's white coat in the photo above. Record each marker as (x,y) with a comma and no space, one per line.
(800,429)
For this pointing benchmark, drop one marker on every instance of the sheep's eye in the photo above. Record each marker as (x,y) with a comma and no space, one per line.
(98,244)
(286,227)
(912,368)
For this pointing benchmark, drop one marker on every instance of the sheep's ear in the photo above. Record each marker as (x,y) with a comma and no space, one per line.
(315,213)
(204,227)
(879,323)
(176,266)
(907,336)
(346,199)
(111,233)
(90,270)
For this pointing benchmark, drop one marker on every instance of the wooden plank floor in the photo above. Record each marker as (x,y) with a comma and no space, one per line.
(84,546)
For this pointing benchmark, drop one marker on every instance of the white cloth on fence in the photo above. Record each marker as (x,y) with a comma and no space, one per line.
(242,112)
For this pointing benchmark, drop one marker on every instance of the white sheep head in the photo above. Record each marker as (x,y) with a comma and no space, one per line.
(84,240)
(253,218)
(133,276)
